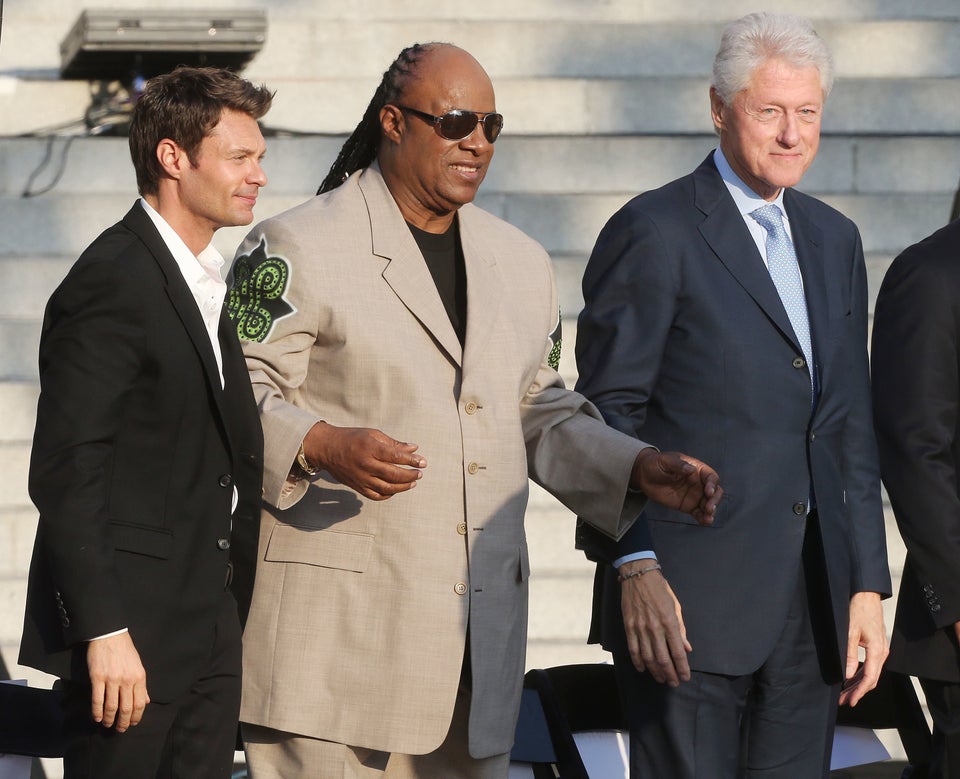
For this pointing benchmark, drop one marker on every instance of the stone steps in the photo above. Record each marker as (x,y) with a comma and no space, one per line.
(563,223)
(562,106)
(537,164)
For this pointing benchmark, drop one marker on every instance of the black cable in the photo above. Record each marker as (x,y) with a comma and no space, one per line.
(61,167)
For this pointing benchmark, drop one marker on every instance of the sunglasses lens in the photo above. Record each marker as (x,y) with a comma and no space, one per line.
(457,125)
(492,125)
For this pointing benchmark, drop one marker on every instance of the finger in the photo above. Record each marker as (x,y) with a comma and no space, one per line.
(633,646)
(653,660)
(853,661)
(707,510)
(110,704)
(397,456)
(124,708)
(96,702)
(871,672)
(140,701)
(713,500)
(687,646)
(664,648)
(851,693)
(392,450)
(388,475)
(376,489)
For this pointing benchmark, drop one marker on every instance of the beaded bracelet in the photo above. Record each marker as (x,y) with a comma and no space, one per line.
(640,572)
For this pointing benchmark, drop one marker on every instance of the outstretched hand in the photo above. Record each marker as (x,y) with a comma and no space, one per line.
(366,460)
(678,482)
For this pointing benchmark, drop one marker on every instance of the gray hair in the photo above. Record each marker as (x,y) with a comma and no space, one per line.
(755,38)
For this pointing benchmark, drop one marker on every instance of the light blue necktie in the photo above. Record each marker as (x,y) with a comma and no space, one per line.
(785,272)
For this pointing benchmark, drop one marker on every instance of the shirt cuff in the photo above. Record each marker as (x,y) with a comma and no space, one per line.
(108,635)
(627,558)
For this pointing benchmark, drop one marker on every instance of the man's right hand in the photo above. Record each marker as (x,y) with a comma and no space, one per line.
(652,619)
(119,682)
(366,460)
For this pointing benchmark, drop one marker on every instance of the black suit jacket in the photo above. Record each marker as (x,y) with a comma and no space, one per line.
(916,390)
(136,453)
(684,341)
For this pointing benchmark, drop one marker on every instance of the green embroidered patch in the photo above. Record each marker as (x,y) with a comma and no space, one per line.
(556,340)
(256,298)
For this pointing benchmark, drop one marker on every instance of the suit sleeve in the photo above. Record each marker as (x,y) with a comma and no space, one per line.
(869,568)
(574,455)
(90,357)
(277,325)
(916,392)
(630,292)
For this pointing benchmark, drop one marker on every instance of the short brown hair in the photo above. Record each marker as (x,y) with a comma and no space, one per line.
(184,106)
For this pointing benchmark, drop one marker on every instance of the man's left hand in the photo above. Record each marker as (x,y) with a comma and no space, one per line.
(678,482)
(867,631)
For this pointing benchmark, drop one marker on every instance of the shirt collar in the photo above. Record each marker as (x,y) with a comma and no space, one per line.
(746,199)
(193,267)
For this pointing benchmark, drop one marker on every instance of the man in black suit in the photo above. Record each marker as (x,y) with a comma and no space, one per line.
(147,456)
(916,395)
(725,315)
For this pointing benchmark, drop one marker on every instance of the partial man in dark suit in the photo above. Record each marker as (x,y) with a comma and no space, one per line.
(725,315)
(916,395)
(147,457)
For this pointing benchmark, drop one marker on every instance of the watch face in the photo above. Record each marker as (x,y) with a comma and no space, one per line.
(305,465)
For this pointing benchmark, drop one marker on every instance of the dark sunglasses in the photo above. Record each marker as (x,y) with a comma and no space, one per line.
(458,124)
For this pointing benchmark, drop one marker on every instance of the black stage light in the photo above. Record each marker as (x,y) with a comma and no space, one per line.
(121,45)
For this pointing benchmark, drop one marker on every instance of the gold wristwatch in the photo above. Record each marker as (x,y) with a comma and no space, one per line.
(310,470)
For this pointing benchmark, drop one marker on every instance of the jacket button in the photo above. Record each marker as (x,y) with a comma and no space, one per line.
(799,362)
(460,588)
(471,407)
(473,468)
(226,480)
(65,621)
(223,543)
(799,508)
(462,528)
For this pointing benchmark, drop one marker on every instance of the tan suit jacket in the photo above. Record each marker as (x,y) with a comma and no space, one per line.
(361,608)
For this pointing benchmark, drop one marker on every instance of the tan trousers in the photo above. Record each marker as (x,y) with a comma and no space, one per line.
(274,754)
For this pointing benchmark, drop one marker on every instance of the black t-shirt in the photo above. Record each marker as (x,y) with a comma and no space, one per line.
(444,257)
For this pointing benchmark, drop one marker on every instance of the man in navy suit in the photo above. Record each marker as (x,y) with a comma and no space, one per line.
(725,315)
(147,458)
(916,395)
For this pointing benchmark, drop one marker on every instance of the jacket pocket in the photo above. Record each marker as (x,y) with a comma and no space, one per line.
(659,514)
(323,548)
(141,539)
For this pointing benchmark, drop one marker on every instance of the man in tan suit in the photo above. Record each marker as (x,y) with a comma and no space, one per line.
(388,625)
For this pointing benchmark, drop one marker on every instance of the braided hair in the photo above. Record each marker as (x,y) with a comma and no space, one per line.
(360,148)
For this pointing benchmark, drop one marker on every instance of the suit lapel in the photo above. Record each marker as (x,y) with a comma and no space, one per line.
(406,272)
(808,243)
(180,296)
(484,286)
(726,234)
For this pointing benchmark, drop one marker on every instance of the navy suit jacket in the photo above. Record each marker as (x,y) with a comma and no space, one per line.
(684,341)
(916,390)
(136,453)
